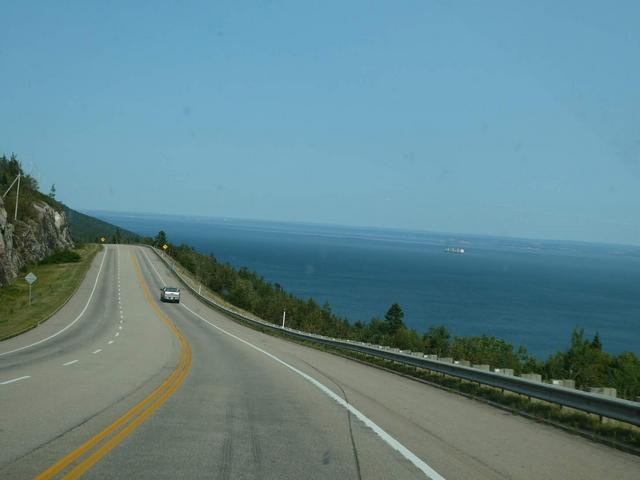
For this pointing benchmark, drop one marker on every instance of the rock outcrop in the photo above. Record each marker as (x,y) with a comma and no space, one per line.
(31,240)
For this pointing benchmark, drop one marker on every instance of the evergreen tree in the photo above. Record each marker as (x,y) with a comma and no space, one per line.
(394,319)
(436,341)
(161,239)
(596,343)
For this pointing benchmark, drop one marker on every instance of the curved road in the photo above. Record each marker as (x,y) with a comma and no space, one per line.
(119,385)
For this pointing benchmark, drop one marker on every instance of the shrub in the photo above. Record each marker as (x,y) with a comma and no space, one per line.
(62,256)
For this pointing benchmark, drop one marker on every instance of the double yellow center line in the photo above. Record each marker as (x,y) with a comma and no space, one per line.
(92,451)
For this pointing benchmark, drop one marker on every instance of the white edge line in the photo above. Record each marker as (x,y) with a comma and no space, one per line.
(72,323)
(15,380)
(392,442)
(70,363)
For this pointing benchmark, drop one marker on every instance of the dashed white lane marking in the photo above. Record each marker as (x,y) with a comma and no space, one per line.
(121,320)
(95,284)
(117,333)
(109,342)
(388,439)
(70,363)
(15,380)
(120,327)
(97,351)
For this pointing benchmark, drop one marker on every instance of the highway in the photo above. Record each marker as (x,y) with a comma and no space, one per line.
(120,385)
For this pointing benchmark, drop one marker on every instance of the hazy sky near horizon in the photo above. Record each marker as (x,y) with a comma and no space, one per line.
(501,117)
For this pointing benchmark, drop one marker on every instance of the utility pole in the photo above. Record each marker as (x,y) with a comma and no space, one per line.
(15,216)
(17,179)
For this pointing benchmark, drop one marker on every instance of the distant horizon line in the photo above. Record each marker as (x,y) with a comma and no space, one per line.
(370,227)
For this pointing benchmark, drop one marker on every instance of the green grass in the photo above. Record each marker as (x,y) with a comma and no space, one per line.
(56,283)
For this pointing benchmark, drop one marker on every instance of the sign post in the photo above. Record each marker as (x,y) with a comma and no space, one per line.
(30,278)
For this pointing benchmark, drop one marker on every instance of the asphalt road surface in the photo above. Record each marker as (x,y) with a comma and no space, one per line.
(119,385)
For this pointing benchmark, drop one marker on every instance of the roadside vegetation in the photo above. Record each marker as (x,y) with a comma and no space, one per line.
(585,361)
(59,276)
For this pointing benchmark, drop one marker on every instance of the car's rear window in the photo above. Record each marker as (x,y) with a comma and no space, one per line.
(171,289)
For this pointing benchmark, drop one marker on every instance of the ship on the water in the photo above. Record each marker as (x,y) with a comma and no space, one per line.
(454,250)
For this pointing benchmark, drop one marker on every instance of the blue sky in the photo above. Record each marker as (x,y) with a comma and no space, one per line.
(505,118)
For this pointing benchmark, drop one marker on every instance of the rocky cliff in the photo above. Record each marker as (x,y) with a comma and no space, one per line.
(30,240)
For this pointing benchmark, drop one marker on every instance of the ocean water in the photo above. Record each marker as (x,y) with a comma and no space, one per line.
(529,292)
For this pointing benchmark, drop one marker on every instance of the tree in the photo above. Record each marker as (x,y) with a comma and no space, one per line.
(161,239)
(582,362)
(485,349)
(394,319)
(406,339)
(624,375)
(52,191)
(436,340)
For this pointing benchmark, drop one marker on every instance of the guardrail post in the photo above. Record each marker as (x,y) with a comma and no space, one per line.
(565,382)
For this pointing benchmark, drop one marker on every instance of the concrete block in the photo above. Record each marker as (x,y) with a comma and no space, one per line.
(566,383)
(464,363)
(534,377)
(431,357)
(610,392)
(482,366)
(446,359)
(504,371)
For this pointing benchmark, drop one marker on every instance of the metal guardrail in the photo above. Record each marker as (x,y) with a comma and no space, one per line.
(610,407)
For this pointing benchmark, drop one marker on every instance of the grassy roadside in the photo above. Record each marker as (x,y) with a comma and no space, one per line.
(55,285)
(616,434)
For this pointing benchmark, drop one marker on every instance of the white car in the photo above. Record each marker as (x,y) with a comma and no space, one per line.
(170,294)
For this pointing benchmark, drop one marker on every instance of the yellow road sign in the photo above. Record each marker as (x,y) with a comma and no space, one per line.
(165,246)
(102,239)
